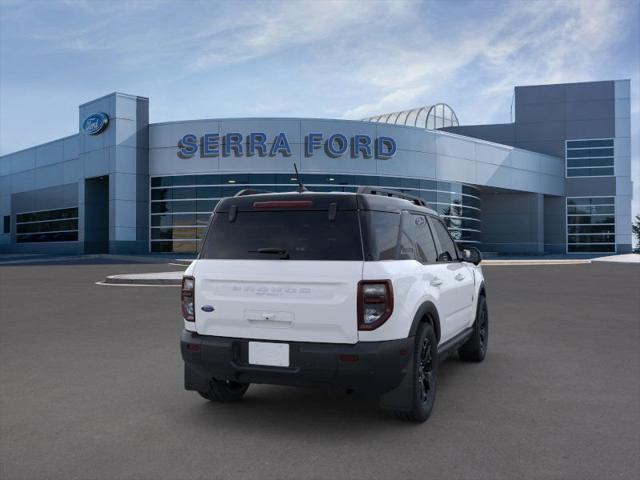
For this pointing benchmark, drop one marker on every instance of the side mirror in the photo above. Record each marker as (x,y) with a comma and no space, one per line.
(472,255)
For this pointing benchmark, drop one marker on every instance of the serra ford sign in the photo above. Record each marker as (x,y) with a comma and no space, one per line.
(258,144)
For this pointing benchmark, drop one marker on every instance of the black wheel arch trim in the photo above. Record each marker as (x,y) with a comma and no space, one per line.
(427,309)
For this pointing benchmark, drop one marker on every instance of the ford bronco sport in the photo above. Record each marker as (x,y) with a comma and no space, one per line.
(363,291)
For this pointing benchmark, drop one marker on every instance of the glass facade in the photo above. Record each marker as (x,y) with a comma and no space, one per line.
(59,225)
(181,205)
(589,158)
(591,225)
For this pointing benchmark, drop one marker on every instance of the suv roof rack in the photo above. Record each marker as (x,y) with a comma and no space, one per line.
(392,193)
(250,191)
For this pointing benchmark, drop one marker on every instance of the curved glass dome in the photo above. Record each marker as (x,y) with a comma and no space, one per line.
(431,117)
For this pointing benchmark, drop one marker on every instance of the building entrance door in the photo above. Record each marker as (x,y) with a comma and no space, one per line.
(96,215)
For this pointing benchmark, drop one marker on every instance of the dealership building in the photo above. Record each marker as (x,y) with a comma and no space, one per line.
(555,180)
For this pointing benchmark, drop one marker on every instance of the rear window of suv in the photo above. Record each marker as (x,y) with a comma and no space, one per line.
(284,234)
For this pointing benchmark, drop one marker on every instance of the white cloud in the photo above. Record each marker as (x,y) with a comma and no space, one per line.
(387,104)
(261,31)
(528,43)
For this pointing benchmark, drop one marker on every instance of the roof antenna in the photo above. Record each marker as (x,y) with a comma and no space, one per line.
(301,187)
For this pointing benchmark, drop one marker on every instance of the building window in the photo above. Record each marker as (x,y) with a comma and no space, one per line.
(60,225)
(589,158)
(182,205)
(591,225)
(7,224)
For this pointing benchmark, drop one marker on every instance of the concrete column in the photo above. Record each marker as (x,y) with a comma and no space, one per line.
(121,152)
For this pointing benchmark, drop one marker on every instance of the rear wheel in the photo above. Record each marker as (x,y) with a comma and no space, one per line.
(475,349)
(425,369)
(224,391)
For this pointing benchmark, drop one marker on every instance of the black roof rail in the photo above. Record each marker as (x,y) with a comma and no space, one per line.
(392,193)
(250,191)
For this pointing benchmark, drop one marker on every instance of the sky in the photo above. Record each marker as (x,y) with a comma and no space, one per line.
(324,59)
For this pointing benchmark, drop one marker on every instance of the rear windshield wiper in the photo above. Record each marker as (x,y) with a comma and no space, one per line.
(284,254)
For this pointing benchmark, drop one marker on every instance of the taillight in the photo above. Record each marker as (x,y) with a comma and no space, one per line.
(284,204)
(375,303)
(188,296)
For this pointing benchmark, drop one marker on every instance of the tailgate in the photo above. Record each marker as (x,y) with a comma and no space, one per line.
(288,300)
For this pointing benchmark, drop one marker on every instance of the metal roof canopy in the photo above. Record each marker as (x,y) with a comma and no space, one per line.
(430,117)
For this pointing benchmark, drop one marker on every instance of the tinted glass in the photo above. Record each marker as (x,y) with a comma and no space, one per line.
(161,194)
(587,248)
(591,229)
(184,193)
(589,143)
(53,226)
(202,220)
(161,233)
(185,247)
(590,172)
(184,180)
(7,224)
(161,181)
(171,195)
(417,230)
(590,201)
(48,237)
(208,192)
(47,215)
(446,243)
(184,206)
(161,207)
(381,230)
(304,235)
(595,219)
(592,238)
(367,180)
(184,219)
(407,249)
(206,205)
(590,224)
(589,162)
(208,179)
(47,226)
(161,246)
(590,152)
(590,209)
(161,220)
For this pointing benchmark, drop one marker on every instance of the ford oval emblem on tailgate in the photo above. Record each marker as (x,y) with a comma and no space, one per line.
(207,308)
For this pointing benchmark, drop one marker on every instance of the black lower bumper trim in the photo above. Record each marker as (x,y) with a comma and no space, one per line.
(366,366)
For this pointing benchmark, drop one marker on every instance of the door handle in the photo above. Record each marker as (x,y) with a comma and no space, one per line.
(436,282)
(459,277)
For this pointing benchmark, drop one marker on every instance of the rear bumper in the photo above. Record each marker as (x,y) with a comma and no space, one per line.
(375,367)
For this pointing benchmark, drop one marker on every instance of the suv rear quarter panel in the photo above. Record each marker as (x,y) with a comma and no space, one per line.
(410,290)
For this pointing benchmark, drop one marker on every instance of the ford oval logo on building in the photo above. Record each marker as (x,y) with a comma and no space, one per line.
(95,123)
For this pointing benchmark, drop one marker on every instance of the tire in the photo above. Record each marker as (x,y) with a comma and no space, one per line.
(425,374)
(225,391)
(475,349)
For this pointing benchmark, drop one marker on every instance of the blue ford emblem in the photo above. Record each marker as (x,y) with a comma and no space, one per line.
(95,123)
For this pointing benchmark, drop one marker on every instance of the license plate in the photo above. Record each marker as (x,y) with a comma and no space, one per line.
(271,354)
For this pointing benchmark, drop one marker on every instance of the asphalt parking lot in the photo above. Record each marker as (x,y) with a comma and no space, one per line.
(91,388)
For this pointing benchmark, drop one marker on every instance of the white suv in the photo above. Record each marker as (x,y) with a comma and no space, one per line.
(363,291)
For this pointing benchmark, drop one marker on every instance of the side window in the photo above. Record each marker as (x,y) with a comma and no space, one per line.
(406,241)
(381,235)
(416,229)
(447,245)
